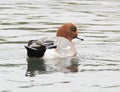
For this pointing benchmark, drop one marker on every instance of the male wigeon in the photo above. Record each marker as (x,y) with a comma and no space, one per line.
(55,47)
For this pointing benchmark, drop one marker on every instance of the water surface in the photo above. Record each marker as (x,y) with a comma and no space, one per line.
(97,64)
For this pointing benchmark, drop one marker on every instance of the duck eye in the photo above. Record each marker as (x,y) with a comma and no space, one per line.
(73,29)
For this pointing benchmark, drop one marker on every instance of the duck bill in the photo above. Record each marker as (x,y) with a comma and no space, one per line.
(80,38)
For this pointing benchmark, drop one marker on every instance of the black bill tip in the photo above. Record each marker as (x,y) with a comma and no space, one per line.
(80,38)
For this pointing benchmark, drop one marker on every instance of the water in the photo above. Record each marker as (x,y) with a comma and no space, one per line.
(95,68)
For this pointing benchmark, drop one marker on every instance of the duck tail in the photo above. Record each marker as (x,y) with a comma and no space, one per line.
(37,52)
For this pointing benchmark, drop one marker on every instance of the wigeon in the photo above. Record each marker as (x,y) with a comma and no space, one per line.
(60,46)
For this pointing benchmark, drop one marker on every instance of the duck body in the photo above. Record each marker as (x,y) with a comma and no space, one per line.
(50,47)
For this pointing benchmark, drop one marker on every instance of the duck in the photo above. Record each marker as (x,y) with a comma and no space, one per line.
(60,46)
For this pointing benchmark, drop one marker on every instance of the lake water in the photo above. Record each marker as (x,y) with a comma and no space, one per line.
(96,68)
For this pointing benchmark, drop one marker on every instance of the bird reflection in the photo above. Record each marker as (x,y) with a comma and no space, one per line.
(35,65)
(39,66)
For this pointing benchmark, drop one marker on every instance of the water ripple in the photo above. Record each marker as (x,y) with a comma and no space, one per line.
(98,58)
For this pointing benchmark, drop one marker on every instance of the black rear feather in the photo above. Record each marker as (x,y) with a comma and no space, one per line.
(37,52)
(39,48)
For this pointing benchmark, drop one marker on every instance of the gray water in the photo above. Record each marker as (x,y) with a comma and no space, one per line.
(96,68)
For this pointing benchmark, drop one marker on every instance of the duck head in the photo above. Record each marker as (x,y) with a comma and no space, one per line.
(69,31)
